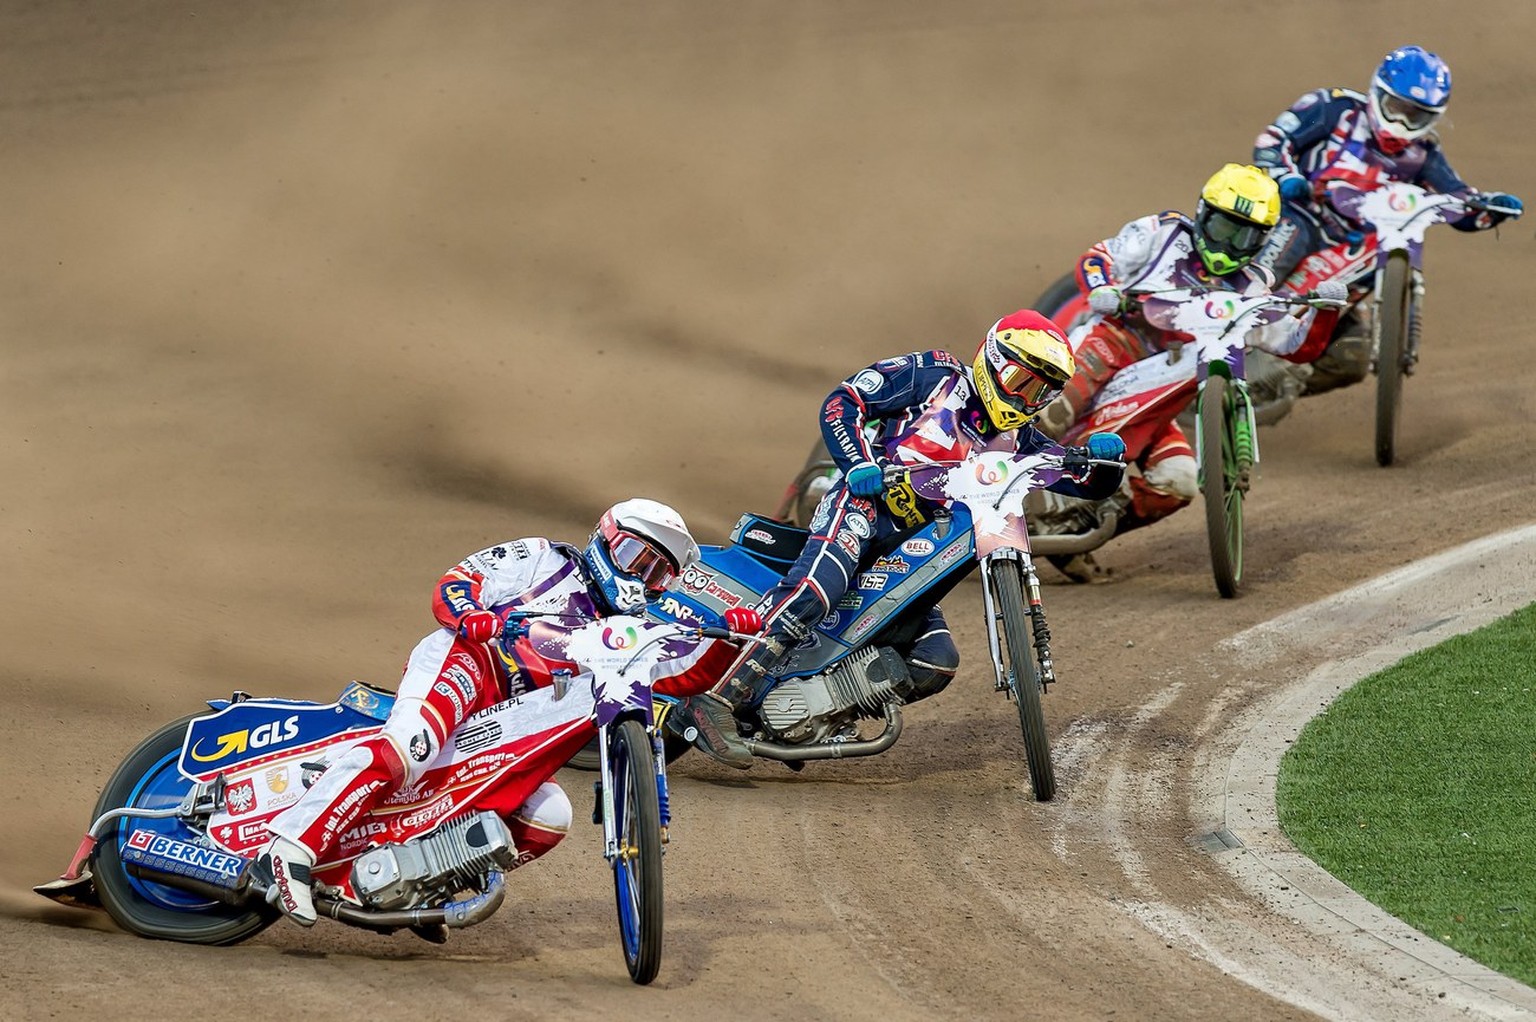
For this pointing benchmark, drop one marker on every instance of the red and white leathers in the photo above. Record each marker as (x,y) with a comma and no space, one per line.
(1151,253)
(447,678)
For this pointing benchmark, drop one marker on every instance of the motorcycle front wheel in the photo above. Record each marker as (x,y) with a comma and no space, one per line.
(1024,678)
(637,868)
(1391,344)
(148,779)
(1221,482)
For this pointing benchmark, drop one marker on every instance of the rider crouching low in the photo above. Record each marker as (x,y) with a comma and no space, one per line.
(914,409)
(1214,250)
(638,547)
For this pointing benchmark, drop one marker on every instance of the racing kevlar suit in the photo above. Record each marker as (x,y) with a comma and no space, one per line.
(447,678)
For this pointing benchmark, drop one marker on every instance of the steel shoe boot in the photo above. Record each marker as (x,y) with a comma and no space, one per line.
(708,722)
(283,868)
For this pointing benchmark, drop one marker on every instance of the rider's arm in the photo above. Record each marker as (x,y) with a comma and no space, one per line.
(886,389)
(1101,481)
(697,671)
(1281,147)
(1120,258)
(1437,175)
(483,579)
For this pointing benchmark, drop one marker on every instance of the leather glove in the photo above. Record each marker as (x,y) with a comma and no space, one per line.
(1295,188)
(1105,300)
(744,620)
(1500,199)
(866,479)
(1106,447)
(480,626)
(1331,291)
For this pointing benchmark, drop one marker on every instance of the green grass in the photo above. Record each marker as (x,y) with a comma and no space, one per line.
(1417,788)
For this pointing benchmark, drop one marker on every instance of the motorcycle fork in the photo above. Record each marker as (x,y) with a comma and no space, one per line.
(1040,631)
(1415,321)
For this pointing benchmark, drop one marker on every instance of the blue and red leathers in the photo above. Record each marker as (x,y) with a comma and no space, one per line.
(910,410)
(1326,138)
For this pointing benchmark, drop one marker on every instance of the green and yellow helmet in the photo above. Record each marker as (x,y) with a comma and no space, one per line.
(1021,367)
(1237,208)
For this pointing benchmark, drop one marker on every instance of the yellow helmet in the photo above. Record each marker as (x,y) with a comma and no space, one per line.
(1021,367)
(1238,206)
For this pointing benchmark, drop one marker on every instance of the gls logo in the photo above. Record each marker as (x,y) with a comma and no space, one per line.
(274,733)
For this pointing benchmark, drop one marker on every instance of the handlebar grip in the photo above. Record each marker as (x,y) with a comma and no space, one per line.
(714,632)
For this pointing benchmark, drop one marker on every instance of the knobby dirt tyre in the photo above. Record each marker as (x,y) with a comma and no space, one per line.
(637,873)
(1008,587)
(148,778)
(1391,342)
(1223,496)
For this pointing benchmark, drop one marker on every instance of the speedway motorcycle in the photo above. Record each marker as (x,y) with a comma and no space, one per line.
(1210,368)
(1384,274)
(186,812)
(849,671)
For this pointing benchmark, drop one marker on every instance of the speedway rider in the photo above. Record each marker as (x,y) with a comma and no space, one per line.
(923,407)
(1238,206)
(1334,146)
(638,547)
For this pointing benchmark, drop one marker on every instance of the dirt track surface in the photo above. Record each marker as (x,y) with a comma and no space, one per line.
(303,302)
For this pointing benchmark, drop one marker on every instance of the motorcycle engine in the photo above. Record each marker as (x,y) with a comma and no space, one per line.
(400,875)
(814,709)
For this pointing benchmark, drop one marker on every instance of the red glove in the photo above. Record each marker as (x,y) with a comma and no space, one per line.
(744,620)
(480,626)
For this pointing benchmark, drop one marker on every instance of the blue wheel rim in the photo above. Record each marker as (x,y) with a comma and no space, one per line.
(623,868)
(161,787)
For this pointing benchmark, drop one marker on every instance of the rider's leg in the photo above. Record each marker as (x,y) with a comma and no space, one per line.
(1168,479)
(540,823)
(932,658)
(446,679)
(840,531)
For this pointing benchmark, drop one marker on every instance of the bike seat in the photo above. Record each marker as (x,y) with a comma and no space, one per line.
(770,542)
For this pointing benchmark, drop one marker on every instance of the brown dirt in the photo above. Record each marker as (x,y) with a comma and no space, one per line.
(305,301)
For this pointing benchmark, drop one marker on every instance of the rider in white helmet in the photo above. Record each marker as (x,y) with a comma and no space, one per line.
(638,547)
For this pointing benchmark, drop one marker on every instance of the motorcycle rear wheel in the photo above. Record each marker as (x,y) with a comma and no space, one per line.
(1056,297)
(1391,343)
(148,779)
(1024,678)
(1219,472)
(637,871)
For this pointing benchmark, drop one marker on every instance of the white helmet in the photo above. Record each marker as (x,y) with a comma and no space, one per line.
(639,546)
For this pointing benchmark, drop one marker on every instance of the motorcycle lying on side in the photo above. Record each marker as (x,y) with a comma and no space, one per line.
(849,670)
(186,812)
(1206,371)
(1383,272)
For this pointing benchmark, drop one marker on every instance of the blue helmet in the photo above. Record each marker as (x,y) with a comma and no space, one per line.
(1408,94)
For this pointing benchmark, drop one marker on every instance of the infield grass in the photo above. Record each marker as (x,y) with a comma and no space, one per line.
(1417,788)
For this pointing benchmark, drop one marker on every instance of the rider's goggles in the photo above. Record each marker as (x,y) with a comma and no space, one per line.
(1017,379)
(1411,115)
(1231,233)
(634,555)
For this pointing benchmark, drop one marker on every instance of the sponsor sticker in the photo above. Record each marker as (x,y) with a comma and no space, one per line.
(917,547)
(762,536)
(240,798)
(174,856)
(868,381)
(876,580)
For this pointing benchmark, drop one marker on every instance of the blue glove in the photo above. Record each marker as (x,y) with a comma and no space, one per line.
(866,479)
(1106,447)
(1295,188)
(1502,199)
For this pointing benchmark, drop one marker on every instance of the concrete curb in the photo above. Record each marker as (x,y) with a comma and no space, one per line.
(1377,624)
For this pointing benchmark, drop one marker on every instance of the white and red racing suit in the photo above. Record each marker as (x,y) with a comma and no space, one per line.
(1151,253)
(447,678)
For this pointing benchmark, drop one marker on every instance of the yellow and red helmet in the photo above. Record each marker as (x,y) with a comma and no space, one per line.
(1021,367)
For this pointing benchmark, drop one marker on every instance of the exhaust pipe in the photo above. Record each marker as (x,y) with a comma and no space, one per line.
(1075,543)
(834,750)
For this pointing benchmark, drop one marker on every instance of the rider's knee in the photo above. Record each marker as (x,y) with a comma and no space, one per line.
(541,822)
(1175,476)
(932,662)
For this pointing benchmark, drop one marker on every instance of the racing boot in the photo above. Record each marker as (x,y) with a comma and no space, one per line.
(283,869)
(713,720)
(1274,385)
